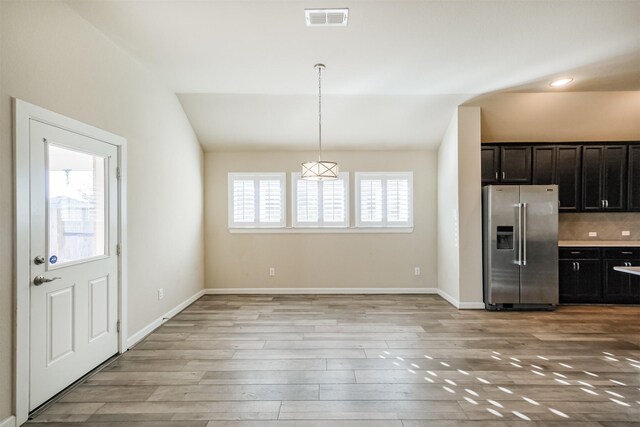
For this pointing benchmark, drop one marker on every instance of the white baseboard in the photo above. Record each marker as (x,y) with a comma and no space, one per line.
(461,305)
(325,291)
(8,422)
(138,336)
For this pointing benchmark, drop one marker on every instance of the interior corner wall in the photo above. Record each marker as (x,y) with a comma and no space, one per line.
(460,211)
(448,253)
(53,58)
(346,260)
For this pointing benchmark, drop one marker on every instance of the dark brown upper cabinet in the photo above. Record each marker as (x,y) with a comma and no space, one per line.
(515,164)
(490,158)
(560,165)
(604,178)
(634,178)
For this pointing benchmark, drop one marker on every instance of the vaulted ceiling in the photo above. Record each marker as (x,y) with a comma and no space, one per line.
(243,70)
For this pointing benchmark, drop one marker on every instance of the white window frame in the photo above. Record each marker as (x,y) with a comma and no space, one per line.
(295,176)
(384,176)
(256,177)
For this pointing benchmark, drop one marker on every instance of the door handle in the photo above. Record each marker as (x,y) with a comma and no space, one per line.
(519,206)
(524,234)
(39,280)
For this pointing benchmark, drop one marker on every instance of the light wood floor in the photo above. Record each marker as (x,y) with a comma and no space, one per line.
(368,360)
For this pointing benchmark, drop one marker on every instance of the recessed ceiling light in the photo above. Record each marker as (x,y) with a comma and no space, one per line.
(326,17)
(561,82)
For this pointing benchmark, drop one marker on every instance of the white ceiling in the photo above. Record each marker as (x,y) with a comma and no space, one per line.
(244,69)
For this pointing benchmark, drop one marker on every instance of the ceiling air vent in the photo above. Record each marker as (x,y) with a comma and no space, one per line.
(326,17)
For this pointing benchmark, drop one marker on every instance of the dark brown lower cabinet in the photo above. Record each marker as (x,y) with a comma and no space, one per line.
(580,281)
(587,275)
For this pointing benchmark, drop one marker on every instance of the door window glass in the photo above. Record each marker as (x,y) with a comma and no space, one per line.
(76,205)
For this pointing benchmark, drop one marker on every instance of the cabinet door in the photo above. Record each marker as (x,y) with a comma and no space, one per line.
(589,287)
(616,283)
(515,163)
(567,280)
(615,177)
(544,165)
(592,188)
(634,178)
(490,158)
(567,176)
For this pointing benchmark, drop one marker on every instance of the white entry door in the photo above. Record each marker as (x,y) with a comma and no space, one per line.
(74,265)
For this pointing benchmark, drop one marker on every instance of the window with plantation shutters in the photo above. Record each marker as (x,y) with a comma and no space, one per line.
(320,203)
(256,200)
(384,199)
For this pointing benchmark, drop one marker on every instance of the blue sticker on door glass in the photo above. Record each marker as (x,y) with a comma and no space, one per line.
(53,259)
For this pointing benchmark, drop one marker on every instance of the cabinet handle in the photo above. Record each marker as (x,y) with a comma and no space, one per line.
(574,266)
(496,176)
(606,204)
(578,264)
(602,204)
(626,253)
(504,175)
(575,253)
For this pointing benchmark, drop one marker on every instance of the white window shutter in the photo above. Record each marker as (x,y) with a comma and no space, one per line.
(398,200)
(307,201)
(371,200)
(333,201)
(270,201)
(244,194)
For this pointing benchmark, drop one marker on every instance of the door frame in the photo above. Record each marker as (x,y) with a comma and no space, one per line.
(23,112)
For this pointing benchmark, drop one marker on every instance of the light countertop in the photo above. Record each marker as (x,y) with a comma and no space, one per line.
(630,270)
(598,243)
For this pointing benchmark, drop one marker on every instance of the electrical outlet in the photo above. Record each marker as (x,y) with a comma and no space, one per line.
(626,233)
(160,294)
(416,271)
(272,271)
(593,234)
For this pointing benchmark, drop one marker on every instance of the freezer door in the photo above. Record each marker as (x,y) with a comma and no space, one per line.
(539,267)
(501,271)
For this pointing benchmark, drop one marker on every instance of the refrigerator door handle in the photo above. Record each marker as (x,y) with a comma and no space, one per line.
(519,260)
(524,233)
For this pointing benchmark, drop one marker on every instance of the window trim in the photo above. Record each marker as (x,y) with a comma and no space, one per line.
(295,176)
(256,177)
(384,176)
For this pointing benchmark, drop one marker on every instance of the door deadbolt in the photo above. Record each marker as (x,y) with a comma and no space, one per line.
(38,260)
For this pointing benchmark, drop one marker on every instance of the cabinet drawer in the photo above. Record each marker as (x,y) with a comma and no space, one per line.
(579,253)
(621,253)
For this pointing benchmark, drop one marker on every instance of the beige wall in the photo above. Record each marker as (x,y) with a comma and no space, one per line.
(470,205)
(566,116)
(448,219)
(53,58)
(460,210)
(346,260)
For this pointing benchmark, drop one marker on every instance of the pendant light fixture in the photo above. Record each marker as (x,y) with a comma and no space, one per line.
(322,170)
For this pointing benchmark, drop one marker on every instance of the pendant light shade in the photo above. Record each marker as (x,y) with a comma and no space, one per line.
(321,170)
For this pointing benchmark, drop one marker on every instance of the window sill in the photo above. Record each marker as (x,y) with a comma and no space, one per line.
(323,230)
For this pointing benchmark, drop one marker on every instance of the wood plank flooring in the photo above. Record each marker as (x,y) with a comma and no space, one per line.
(368,360)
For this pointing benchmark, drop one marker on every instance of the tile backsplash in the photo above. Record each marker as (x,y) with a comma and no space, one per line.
(608,225)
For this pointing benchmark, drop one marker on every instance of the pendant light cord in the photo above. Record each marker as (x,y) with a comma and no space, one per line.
(320,113)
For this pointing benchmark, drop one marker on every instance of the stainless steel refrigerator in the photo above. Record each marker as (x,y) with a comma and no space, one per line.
(520,247)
